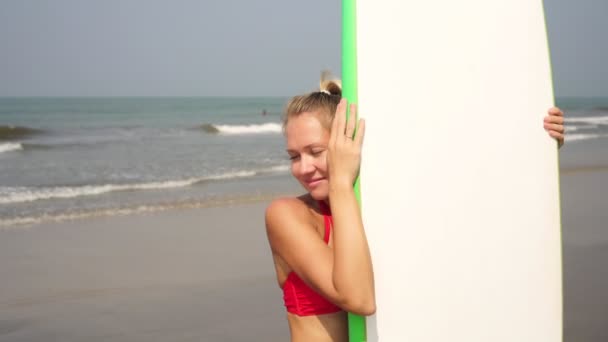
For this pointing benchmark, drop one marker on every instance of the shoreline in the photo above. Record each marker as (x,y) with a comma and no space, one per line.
(228,199)
(583,169)
(86,214)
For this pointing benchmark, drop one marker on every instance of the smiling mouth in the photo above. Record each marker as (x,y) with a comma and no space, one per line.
(314,181)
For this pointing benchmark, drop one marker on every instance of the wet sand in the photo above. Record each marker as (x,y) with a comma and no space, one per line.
(186,275)
(585,255)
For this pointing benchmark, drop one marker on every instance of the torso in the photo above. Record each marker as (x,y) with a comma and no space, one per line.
(323,328)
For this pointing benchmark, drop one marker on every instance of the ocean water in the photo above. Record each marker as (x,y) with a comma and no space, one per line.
(586,133)
(64,158)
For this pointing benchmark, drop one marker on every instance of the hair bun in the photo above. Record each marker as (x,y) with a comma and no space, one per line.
(330,85)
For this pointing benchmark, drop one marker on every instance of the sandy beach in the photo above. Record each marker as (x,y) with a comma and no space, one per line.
(585,252)
(155,277)
(168,276)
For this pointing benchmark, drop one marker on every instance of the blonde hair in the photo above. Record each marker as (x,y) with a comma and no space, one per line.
(323,102)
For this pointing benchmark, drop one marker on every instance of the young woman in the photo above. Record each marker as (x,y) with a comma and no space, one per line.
(318,243)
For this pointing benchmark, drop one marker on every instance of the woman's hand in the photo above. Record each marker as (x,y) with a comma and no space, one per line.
(554,124)
(344,150)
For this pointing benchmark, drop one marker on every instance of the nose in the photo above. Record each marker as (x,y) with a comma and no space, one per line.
(306,165)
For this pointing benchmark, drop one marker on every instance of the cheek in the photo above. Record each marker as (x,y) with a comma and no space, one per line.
(321,162)
(294,169)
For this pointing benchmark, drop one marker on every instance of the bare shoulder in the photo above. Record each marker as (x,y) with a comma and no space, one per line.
(286,209)
(288,213)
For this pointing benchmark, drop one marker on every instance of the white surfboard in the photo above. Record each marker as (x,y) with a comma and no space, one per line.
(459,181)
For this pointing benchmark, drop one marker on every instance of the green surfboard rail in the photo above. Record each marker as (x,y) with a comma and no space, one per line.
(356,323)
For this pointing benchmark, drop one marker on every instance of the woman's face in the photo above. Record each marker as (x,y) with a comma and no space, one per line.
(307,143)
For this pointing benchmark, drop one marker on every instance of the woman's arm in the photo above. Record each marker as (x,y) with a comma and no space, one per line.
(353,272)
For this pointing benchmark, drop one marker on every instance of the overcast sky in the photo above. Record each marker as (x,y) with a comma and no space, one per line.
(227,47)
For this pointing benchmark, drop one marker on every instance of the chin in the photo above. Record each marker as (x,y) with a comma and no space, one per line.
(319,194)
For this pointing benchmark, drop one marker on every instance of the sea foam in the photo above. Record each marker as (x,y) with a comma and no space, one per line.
(591,120)
(8,147)
(578,137)
(265,128)
(9,195)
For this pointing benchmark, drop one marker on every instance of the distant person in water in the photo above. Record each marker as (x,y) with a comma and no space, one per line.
(264,112)
(318,243)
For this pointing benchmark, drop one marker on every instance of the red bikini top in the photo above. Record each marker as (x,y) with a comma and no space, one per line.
(299,298)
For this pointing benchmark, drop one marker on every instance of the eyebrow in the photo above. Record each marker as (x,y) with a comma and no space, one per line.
(309,146)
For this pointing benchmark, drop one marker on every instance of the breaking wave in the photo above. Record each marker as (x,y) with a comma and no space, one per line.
(10,195)
(8,147)
(266,128)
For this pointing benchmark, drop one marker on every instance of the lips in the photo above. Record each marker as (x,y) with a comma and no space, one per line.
(314,182)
